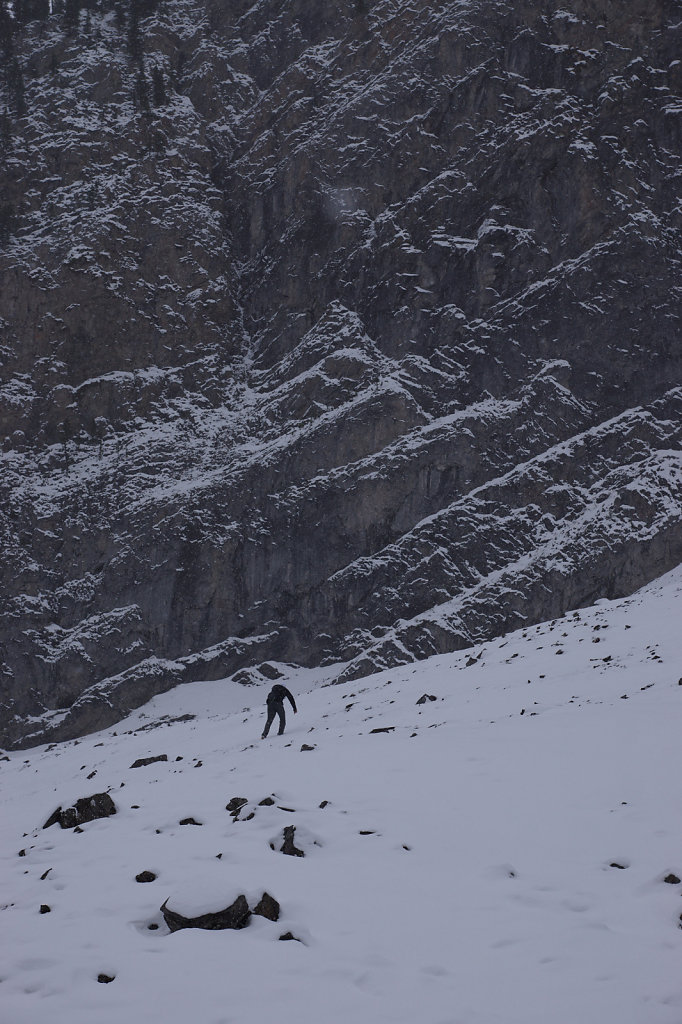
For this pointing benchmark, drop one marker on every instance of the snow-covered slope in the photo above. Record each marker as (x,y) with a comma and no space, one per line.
(508,853)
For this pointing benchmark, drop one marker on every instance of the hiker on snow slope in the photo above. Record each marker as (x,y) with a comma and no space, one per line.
(275,705)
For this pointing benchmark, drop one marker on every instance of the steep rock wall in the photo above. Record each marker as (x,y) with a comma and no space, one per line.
(338,335)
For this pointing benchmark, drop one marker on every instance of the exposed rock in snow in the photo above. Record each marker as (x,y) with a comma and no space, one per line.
(142,762)
(88,808)
(235,916)
(288,846)
(267,907)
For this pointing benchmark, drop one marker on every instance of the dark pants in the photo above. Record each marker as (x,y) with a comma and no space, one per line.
(275,709)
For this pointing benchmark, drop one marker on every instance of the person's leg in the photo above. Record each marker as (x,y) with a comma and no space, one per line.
(271,718)
(282,719)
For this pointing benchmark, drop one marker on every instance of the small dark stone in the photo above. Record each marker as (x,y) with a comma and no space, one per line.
(153,927)
(92,774)
(235,916)
(470,662)
(199,764)
(145,876)
(78,829)
(45,874)
(324,804)
(615,864)
(267,802)
(267,907)
(288,845)
(426,696)
(104,979)
(672,879)
(386,728)
(236,803)
(288,937)
(367,832)
(22,853)
(190,821)
(306,746)
(143,761)
(44,909)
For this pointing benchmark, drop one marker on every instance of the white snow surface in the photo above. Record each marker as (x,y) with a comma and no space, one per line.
(463,870)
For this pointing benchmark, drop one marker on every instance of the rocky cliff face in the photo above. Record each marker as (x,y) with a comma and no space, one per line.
(329,334)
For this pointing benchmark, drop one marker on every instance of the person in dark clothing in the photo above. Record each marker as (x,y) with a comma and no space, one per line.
(275,704)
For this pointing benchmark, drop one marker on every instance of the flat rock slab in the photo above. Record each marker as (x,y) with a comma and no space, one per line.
(143,761)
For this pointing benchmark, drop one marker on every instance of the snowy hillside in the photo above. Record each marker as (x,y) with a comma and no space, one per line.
(508,853)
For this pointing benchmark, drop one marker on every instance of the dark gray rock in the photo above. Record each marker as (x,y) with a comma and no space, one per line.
(267,907)
(142,762)
(270,671)
(235,805)
(86,809)
(145,876)
(288,846)
(425,697)
(235,916)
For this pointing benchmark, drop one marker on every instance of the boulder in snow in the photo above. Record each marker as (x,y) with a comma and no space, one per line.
(235,916)
(100,805)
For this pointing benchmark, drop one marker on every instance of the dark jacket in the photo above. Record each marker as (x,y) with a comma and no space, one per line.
(277,695)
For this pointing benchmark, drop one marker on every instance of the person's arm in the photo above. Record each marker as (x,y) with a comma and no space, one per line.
(293,702)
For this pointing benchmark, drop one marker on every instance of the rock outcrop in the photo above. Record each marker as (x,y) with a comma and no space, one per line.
(235,916)
(88,808)
(339,335)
